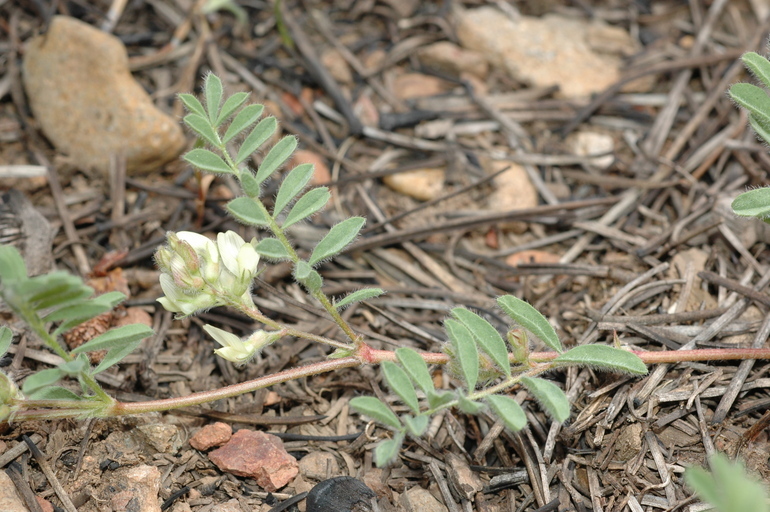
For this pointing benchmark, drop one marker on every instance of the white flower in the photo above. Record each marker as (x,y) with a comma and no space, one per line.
(236,350)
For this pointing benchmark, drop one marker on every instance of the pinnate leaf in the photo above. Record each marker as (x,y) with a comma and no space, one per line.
(249,184)
(246,210)
(399,382)
(375,409)
(192,104)
(486,336)
(206,160)
(549,396)
(272,249)
(254,140)
(508,410)
(338,237)
(115,338)
(531,319)
(245,118)
(212,89)
(313,201)
(276,157)
(358,296)
(231,105)
(203,128)
(603,357)
(466,352)
(292,185)
(416,367)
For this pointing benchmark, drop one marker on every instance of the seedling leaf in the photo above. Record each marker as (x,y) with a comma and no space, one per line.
(508,410)
(531,319)
(486,336)
(549,396)
(375,409)
(465,351)
(603,357)
(338,237)
(399,382)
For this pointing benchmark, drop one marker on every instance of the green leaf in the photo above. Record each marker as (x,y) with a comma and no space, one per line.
(603,357)
(76,366)
(469,406)
(40,380)
(466,352)
(416,425)
(116,355)
(338,237)
(12,265)
(212,89)
(206,160)
(258,136)
(245,118)
(375,409)
(754,203)
(358,296)
(761,127)
(486,336)
(231,105)
(302,270)
(530,319)
(272,249)
(388,450)
(249,184)
(203,128)
(314,281)
(292,185)
(116,338)
(54,393)
(246,210)
(307,205)
(81,312)
(192,104)
(276,157)
(729,488)
(60,291)
(399,382)
(549,396)
(6,337)
(438,399)
(508,410)
(758,65)
(416,367)
(754,99)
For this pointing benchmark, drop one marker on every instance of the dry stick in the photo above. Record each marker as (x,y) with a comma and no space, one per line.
(731,314)
(50,475)
(740,376)
(23,488)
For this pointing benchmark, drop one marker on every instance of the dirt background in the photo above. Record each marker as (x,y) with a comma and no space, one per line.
(478,180)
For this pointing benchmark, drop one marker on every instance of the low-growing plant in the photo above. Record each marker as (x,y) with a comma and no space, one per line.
(199,273)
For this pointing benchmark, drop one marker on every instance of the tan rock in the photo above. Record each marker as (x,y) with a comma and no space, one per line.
(212,435)
(9,499)
(450,58)
(531,256)
(513,191)
(421,184)
(547,51)
(418,499)
(87,103)
(591,143)
(416,85)
(337,67)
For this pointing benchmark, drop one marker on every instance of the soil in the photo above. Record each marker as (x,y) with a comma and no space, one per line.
(642,248)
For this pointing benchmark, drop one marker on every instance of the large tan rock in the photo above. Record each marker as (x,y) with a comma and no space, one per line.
(89,106)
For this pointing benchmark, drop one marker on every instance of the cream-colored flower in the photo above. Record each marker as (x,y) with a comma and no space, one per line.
(236,350)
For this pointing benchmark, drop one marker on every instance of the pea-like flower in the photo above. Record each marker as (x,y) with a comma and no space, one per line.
(198,273)
(237,350)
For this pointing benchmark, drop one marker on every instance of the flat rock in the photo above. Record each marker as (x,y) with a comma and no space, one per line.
(9,499)
(132,488)
(212,435)
(418,499)
(316,465)
(82,94)
(259,456)
(513,190)
(581,57)
(417,85)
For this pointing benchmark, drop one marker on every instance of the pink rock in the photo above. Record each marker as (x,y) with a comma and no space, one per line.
(211,435)
(259,456)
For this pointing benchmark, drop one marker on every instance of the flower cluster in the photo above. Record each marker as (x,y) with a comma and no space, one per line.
(198,273)
(240,351)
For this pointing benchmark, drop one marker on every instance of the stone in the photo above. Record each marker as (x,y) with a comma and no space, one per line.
(321,174)
(210,436)
(513,191)
(132,488)
(316,465)
(337,67)
(452,59)
(547,51)
(161,437)
(531,256)
(9,499)
(257,455)
(82,94)
(629,442)
(228,506)
(421,184)
(589,143)
(416,85)
(418,499)
(45,505)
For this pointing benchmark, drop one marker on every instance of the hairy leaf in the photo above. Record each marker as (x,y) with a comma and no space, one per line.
(116,354)
(531,319)
(754,99)
(206,160)
(508,410)
(54,393)
(212,88)
(40,380)
(486,336)
(728,488)
(466,352)
(375,409)
(313,201)
(758,65)
(192,104)
(246,210)
(438,399)
(754,203)
(399,382)
(276,157)
(250,184)
(243,120)
(338,237)
(231,105)
(203,128)
(292,185)
(761,126)
(12,265)
(549,396)
(6,337)
(416,425)
(603,357)
(117,337)
(272,249)
(469,406)
(416,367)
(258,136)
(388,450)
(358,296)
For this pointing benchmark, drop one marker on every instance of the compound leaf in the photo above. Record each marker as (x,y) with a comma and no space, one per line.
(603,357)
(313,201)
(292,185)
(206,160)
(531,319)
(375,409)
(338,237)
(486,336)
(248,211)
(466,352)
(549,396)
(508,410)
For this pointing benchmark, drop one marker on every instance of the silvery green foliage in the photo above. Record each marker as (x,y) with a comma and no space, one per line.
(479,355)
(728,488)
(756,102)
